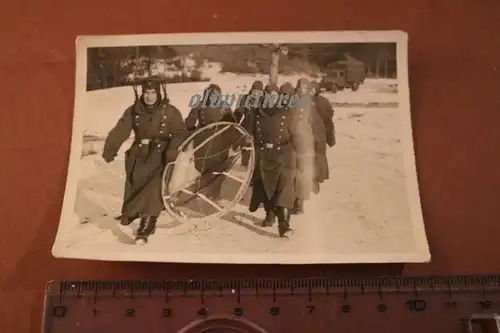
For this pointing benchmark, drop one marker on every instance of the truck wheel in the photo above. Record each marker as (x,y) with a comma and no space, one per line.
(355,86)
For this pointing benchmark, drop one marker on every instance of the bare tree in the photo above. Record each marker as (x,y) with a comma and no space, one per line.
(276,51)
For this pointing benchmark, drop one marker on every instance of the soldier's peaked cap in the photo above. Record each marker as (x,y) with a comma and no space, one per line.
(258,85)
(287,88)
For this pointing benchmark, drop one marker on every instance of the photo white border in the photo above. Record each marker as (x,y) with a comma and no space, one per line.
(68,216)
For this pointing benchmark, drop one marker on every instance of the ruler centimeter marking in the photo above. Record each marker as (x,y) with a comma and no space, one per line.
(409,304)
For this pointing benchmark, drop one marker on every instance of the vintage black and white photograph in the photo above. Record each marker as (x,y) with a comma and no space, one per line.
(272,147)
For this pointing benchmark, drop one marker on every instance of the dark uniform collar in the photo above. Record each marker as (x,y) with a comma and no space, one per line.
(140,108)
(269,112)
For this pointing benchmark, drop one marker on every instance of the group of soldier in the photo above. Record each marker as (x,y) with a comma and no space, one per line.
(289,140)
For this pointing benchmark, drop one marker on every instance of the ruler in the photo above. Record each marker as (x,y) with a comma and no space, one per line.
(314,305)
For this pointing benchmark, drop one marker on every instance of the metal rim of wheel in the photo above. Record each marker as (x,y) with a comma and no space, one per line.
(245,183)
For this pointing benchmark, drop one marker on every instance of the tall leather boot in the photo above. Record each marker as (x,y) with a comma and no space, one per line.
(287,216)
(298,207)
(126,220)
(269,219)
(283,215)
(255,199)
(146,229)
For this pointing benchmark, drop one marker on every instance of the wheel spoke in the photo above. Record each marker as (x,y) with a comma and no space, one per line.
(205,198)
(227,174)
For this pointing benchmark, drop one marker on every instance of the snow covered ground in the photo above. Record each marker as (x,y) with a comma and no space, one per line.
(104,107)
(362,209)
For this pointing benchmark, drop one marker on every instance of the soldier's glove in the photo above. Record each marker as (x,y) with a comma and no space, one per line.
(108,159)
(331,142)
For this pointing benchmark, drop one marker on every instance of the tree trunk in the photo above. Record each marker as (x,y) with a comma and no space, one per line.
(137,62)
(273,72)
(104,74)
(150,66)
(92,74)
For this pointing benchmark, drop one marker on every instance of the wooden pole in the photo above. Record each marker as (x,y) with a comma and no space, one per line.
(273,72)
(276,51)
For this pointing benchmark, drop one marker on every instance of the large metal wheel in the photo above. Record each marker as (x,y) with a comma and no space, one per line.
(205,181)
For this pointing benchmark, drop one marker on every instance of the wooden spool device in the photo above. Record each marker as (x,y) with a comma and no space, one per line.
(401,304)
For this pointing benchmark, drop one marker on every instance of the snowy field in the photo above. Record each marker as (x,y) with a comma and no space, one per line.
(104,107)
(364,205)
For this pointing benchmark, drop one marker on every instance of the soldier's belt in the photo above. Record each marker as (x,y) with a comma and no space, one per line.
(144,141)
(149,141)
(270,145)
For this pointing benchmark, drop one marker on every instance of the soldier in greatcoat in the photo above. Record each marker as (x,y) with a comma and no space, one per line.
(325,126)
(159,129)
(278,141)
(213,157)
(270,99)
(245,115)
(304,178)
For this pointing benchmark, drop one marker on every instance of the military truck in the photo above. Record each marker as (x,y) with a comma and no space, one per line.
(344,74)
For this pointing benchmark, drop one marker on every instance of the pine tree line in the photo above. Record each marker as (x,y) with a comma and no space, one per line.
(117,66)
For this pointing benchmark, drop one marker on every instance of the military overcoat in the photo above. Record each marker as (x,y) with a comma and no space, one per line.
(214,155)
(324,107)
(278,141)
(158,133)
(246,116)
(322,125)
(307,169)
